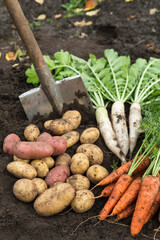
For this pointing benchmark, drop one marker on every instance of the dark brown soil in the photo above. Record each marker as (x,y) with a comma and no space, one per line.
(129,28)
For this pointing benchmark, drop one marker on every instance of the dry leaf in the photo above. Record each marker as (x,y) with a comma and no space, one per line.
(153,11)
(11,56)
(92,13)
(90,4)
(128,0)
(58,16)
(15,65)
(0,54)
(41,17)
(82,23)
(39,1)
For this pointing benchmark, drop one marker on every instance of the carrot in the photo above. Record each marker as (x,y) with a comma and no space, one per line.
(149,189)
(119,188)
(112,177)
(154,207)
(106,192)
(127,212)
(128,197)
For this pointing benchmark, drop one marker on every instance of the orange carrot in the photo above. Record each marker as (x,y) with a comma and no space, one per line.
(148,191)
(119,188)
(112,177)
(106,192)
(128,197)
(154,207)
(127,212)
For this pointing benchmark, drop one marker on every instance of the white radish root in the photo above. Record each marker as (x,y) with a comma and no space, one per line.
(135,117)
(108,134)
(120,126)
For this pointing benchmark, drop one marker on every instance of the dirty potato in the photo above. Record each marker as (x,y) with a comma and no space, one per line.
(96,173)
(31,133)
(83,201)
(49,161)
(47,124)
(21,169)
(89,135)
(63,159)
(74,117)
(71,138)
(41,167)
(60,126)
(92,151)
(25,190)
(40,185)
(19,159)
(79,163)
(79,182)
(54,199)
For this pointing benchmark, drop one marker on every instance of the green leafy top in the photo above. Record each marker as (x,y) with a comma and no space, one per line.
(148,88)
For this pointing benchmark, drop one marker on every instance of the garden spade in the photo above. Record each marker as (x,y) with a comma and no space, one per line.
(50,96)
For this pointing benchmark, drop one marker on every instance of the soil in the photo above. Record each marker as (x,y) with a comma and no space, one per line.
(127,27)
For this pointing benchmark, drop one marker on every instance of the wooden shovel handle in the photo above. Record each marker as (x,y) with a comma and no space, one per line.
(25,32)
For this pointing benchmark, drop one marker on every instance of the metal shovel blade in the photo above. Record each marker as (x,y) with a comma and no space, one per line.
(73,92)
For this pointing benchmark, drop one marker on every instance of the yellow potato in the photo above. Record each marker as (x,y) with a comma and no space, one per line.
(21,170)
(74,117)
(25,190)
(60,126)
(96,173)
(31,133)
(79,163)
(63,159)
(19,159)
(89,135)
(92,151)
(49,161)
(79,182)
(47,124)
(41,167)
(40,185)
(71,138)
(54,199)
(83,201)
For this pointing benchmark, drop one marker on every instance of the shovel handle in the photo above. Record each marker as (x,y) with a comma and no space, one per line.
(35,54)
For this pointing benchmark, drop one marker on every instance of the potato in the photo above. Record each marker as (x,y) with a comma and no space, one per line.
(63,159)
(71,138)
(96,173)
(25,190)
(92,151)
(54,199)
(32,150)
(21,170)
(41,167)
(49,161)
(79,163)
(19,159)
(31,133)
(9,143)
(83,201)
(79,182)
(60,126)
(74,117)
(89,135)
(57,174)
(47,124)
(40,185)
(58,143)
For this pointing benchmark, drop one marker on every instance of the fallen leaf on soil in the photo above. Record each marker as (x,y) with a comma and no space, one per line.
(83,35)
(15,65)
(0,54)
(90,4)
(39,1)
(11,56)
(41,17)
(152,48)
(153,11)
(92,13)
(83,23)
(128,0)
(13,26)
(58,16)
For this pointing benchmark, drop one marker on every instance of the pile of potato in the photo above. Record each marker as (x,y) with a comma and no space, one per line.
(47,174)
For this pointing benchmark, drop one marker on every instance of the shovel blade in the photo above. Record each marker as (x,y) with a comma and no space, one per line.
(74,94)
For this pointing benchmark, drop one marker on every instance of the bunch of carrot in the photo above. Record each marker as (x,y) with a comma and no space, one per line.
(133,189)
